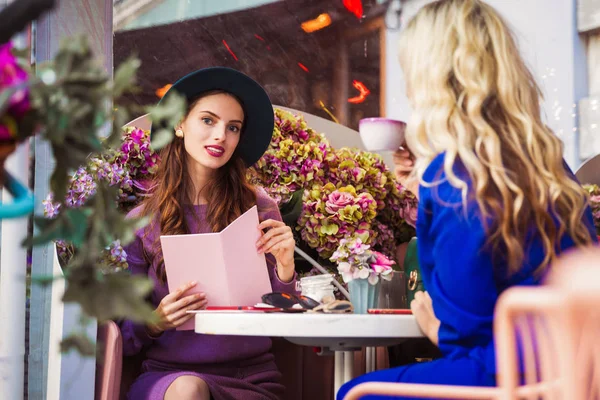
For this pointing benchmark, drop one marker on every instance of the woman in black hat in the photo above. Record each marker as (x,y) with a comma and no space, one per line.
(201,187)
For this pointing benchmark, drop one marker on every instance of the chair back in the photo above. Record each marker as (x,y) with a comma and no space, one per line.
(546,336)
(109,362)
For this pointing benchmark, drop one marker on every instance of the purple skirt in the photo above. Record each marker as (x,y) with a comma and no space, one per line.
(257,379)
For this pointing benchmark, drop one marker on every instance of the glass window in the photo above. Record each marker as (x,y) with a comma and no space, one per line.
(324,57)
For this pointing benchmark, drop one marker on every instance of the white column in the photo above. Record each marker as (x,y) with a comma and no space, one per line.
(13,262)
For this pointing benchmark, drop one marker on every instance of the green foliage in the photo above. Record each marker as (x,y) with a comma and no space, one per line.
(76,107)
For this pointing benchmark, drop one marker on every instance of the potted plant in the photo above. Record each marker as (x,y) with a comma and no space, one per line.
(362,269)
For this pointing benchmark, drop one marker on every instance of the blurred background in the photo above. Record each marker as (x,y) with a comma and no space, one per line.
(338,59)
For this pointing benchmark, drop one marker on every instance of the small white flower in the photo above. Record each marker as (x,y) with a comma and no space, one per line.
(345,269)
(373,278)
(363,273)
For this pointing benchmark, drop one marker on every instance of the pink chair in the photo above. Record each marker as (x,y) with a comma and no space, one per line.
(555,325)
(109,364)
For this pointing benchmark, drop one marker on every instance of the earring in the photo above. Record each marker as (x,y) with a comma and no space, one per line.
(179,133)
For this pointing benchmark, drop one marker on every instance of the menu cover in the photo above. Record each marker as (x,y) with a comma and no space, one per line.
(226,264)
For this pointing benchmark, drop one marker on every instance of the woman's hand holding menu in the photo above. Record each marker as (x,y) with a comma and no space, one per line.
(172,310)
(279,241)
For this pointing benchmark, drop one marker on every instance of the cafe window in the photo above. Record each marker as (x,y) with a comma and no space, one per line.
(323,57)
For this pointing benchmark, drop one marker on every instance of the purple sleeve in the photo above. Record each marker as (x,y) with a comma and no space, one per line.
(134,334)
(267,209)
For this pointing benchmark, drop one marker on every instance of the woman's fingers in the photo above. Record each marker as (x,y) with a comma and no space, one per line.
(403,153)
(283,231)
(183,302)
(274,244)
(183,311)
(173,296)
(270,223)
(182,320)
(267,246)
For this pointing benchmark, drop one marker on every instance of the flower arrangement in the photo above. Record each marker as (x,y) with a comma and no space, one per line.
(343,195)
(330,214)
(338,194)
(295,157)
(66,104)
(12,76)
(594,192)
(129,168)
(356,260)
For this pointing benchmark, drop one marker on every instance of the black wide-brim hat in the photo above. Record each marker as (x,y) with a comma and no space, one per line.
(259,119)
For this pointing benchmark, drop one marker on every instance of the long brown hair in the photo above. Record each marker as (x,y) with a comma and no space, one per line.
(230,193)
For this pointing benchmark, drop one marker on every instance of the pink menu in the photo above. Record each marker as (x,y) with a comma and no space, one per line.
(226,265)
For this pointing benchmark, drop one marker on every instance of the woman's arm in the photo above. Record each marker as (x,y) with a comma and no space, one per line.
(456,267)
(280,261)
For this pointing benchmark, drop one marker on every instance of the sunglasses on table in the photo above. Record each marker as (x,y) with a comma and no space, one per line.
(287,301)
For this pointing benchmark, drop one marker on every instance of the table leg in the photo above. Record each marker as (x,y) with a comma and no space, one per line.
(338,374)
(348,366)
(371,359)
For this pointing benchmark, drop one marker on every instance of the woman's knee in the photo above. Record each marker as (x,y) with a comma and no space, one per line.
(188,387)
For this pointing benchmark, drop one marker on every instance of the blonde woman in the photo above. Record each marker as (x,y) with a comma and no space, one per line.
(497,203)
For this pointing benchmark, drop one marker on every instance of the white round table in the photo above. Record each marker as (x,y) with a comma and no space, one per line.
(341,333)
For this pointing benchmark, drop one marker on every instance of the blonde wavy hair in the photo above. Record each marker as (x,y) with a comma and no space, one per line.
(474,98)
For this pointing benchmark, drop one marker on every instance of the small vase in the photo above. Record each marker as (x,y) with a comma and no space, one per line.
(363,295)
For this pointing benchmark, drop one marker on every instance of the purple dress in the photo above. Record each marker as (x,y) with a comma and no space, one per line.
(234,367)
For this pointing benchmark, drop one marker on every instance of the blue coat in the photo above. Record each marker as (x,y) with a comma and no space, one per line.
(459,274)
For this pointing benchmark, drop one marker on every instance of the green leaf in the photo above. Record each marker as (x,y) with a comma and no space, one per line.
(111,296)
(169,112)
(290,211)
(50,229)
(80,342)
(329,229)
(161,138)
(45,280)
(5,95)
(78,226)
(124,76)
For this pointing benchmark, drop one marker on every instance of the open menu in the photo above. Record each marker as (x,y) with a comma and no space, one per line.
(226,264)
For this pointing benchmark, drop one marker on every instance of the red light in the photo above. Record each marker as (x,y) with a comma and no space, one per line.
(303,67)
(355,7)
(262,40)
(322,21)
(230,51)
(364,92)
(160,92)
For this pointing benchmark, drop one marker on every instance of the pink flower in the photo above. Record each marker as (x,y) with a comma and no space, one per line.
(338,200)
(409,214)
(364,200)
(381,260)
(358,247)
(11,74)
(137,136)
(382,265)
